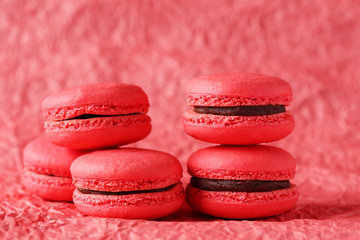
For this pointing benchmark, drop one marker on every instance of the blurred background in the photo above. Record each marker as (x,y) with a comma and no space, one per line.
(47,46)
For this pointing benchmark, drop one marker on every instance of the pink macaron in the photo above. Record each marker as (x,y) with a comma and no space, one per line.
(241,182)
(97,116)
(47,170)
(128,183)
(238,108)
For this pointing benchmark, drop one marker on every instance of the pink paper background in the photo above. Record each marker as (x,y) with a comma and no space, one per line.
(46,46)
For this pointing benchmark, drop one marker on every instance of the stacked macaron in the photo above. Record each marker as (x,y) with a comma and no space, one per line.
(46,170)
(97,116)
(247,180)
(128,183)
(104,180)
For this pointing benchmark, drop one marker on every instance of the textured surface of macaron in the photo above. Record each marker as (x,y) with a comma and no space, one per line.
(258,162)
(226,90)
(242,205)
(100,98)
(238,130)
(97,115)
(128,183)
(47,169)
(134,206)
(237,89)
(245,163)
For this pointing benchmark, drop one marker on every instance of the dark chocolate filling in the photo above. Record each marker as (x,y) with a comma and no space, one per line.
(87,191)
(238,185)
(88,116)
(241,110)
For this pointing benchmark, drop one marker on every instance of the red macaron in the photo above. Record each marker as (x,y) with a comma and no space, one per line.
(241,182)
(238,108)
(97,116)
(128,183)
(47,170)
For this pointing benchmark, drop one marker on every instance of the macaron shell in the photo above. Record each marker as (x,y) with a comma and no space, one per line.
(101,98)
(99,132)
(259,162)
(234,89)
(42,156)
(238,130)
(211,100)
(126,169)
(63,113)
(134,206)
(48,187)
(240,205)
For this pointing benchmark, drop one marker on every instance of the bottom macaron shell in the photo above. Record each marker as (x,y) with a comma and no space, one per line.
(133,206)
(48,187)
(240,205)
(93,137)
(235,130)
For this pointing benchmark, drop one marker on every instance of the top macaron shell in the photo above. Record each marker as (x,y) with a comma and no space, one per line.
(122,116)
(46,158)
(126,169)
(238,89)
(242,163)
(100,98)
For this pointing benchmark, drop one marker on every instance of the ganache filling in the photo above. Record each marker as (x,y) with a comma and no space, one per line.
(87,191)
(47,174)
(89,116)
(238,185)
(241,110)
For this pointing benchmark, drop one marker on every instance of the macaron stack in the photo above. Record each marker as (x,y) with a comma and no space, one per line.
(244,180)
(109,181)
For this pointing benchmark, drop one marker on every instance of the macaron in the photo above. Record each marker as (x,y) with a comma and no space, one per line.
(46,170)
(241,182)
(238,108)
(127,183)
(97,116)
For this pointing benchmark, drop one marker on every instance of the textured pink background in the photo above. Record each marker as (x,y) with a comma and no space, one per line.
(46,46)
